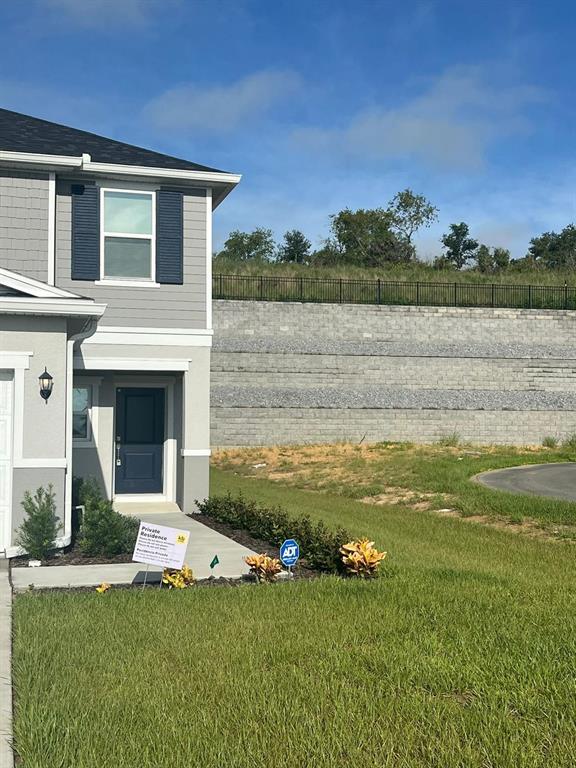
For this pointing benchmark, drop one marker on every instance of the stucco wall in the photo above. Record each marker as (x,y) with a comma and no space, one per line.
(289,373)
(44,433)
(42,425)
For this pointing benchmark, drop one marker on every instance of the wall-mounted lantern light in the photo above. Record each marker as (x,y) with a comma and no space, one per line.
(46,385)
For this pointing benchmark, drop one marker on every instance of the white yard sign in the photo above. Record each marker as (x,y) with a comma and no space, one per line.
(160,545)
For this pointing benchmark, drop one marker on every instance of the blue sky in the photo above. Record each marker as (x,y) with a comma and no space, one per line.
(322,105)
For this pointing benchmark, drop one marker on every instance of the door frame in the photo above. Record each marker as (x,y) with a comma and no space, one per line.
(169,455)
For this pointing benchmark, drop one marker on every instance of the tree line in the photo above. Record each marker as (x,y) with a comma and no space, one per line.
(378,237)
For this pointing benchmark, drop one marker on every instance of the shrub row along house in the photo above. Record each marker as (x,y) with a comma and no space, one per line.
(105,319)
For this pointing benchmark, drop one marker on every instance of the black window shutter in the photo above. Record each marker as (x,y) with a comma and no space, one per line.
(85,232)
(169,236)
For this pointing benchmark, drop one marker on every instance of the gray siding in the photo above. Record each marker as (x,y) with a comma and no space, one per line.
(24,223)
(169,306)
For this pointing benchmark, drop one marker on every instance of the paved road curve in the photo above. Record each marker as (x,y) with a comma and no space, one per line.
(556,480)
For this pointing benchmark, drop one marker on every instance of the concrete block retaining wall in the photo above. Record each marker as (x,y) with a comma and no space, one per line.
(292,373)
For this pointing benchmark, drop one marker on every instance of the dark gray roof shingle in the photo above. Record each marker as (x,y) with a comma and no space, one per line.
(23,133)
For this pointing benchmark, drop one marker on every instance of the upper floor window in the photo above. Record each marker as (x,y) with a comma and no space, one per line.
(127,235)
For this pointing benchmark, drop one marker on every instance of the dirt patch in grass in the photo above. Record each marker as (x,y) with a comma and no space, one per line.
(273,458)
(525,527)
(414,499)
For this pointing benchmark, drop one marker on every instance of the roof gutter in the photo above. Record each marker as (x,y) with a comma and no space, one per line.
(13,305)
(222,183)
(35,159)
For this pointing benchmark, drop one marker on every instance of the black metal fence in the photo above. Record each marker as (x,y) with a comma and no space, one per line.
(351,291)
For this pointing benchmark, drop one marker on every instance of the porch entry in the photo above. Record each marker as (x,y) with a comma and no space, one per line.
(140,434)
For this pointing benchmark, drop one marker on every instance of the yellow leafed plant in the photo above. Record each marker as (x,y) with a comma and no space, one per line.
(265,568)
(104,587)
(178,578)
(361,558)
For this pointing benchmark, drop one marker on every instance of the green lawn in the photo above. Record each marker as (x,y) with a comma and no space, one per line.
(460,656)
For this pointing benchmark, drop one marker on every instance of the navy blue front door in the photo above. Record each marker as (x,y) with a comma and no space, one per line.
(139,440)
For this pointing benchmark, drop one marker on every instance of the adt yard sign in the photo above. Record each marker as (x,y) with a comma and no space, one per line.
(289,553)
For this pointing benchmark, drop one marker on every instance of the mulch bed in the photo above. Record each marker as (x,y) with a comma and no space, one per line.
(73,555)
(301,569)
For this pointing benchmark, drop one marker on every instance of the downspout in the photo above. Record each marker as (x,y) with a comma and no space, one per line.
(87,330)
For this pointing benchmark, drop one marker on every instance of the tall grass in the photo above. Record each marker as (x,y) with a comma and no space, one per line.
(418,271)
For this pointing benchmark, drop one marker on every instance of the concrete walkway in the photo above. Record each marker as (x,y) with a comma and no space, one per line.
(556,480)
(6,755)
(204,543)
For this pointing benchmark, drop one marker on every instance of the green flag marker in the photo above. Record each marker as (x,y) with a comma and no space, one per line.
(214,562)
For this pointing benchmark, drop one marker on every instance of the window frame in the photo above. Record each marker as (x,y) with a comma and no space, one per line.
(143,282)
(90,440)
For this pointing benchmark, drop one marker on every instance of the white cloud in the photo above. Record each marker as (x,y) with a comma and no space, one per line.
(451,124)
(98,13)
(221,108)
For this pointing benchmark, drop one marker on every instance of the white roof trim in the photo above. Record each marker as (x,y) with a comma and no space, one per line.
(84,162)
(14,305)
(162,173)
(33,158)
(35,288)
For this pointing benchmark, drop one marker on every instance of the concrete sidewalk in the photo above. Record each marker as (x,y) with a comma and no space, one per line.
(6,755)
(204,543)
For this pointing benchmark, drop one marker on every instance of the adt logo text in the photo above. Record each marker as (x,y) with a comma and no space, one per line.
(289,552)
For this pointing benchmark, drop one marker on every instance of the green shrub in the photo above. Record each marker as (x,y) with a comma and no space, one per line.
(570,442)
(550,442)
(103,531)
(89,491)
(37,534)
(318,544)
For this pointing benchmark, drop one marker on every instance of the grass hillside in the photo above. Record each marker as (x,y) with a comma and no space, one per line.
(411,272)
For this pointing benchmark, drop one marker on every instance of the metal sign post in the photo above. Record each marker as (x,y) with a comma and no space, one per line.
(145,576)
(160,545)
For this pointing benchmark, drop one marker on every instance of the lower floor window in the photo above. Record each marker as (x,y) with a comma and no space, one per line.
(81,405)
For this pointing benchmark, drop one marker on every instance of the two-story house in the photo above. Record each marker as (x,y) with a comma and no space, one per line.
(105,285)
